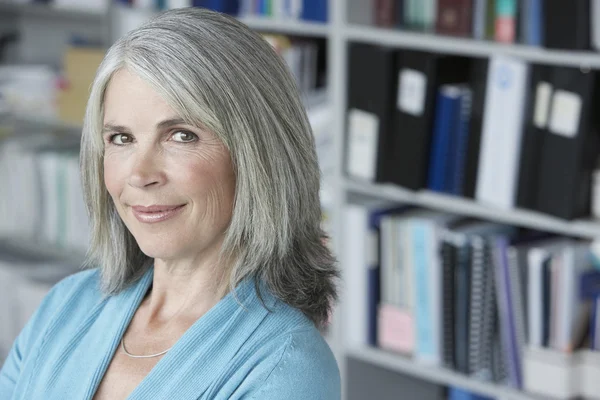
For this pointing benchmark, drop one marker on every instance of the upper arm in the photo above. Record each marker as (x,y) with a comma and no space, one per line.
(9,374)
(306,370)
(11,370)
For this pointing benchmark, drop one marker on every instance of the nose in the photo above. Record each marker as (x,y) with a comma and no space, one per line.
(147,169)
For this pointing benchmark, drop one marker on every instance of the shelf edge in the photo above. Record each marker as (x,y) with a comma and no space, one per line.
(469,47)
(434,374)
(471,208)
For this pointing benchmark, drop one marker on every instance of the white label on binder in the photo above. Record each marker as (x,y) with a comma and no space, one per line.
(412,91)
(543,94)
(566,113)
(363,129)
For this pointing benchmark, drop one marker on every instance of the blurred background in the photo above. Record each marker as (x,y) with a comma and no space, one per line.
(458,143)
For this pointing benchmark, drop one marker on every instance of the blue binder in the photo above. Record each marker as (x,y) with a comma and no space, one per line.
(446,115)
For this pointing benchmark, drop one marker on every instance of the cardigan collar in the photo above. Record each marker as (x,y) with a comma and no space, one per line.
(189,367)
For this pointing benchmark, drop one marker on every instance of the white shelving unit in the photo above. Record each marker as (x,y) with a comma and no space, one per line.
(365,193)
(41,251)
(468,47)
(291,27)
(46,11)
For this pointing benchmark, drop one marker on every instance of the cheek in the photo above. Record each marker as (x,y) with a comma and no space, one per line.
(112,180)
(210,183)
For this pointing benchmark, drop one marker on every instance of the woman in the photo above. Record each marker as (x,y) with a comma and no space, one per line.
(201,179)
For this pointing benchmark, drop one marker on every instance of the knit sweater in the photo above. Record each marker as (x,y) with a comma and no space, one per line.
(231,352)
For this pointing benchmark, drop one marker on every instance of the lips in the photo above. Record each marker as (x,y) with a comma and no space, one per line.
(156,213)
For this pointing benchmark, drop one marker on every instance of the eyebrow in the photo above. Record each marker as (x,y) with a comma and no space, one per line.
(161,125)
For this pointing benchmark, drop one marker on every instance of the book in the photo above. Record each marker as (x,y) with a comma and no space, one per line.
(454,17)
(506,19)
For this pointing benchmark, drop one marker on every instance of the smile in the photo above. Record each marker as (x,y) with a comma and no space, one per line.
(158,213)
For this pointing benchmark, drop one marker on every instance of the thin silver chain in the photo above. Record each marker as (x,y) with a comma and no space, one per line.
(148,356)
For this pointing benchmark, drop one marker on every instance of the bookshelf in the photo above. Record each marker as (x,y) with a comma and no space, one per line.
(26,248)
(347,27)
(34,123)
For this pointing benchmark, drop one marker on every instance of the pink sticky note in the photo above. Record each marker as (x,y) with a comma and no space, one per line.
(396,329)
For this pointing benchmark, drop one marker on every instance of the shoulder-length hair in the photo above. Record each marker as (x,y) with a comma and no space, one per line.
(220,75)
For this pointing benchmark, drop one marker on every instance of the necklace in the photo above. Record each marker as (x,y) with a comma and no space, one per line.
(148,356)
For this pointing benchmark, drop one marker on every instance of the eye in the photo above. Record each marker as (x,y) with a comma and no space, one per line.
(184,136)
(120,139)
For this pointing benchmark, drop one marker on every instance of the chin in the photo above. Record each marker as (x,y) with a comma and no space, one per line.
(160,250)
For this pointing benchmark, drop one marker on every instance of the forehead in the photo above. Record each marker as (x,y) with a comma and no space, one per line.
(129,100)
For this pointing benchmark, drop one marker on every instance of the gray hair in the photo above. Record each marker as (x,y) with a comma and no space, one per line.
(220,75)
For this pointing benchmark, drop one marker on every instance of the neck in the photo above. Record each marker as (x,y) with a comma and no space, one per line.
(183,291)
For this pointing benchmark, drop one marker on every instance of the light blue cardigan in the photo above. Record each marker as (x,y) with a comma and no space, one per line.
(229,353)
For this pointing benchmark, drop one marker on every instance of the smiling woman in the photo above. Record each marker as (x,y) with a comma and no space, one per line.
(208,277)
(157,168)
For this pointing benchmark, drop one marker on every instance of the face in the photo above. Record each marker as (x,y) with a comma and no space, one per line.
(172,184)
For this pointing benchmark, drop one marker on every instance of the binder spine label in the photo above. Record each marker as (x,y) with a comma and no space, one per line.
(412,88)
(363,128)
(543,94)
(566,113)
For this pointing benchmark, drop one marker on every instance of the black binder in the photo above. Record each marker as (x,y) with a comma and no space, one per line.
(412,132)
(566,163)
(532,141)
(567,24)
(478,83)
(371,86)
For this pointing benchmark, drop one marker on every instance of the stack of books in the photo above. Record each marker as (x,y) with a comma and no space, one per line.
(548,23)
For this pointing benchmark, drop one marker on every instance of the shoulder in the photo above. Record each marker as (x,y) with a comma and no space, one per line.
(71,296)
(303,367)
(65,300)
(79,289)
